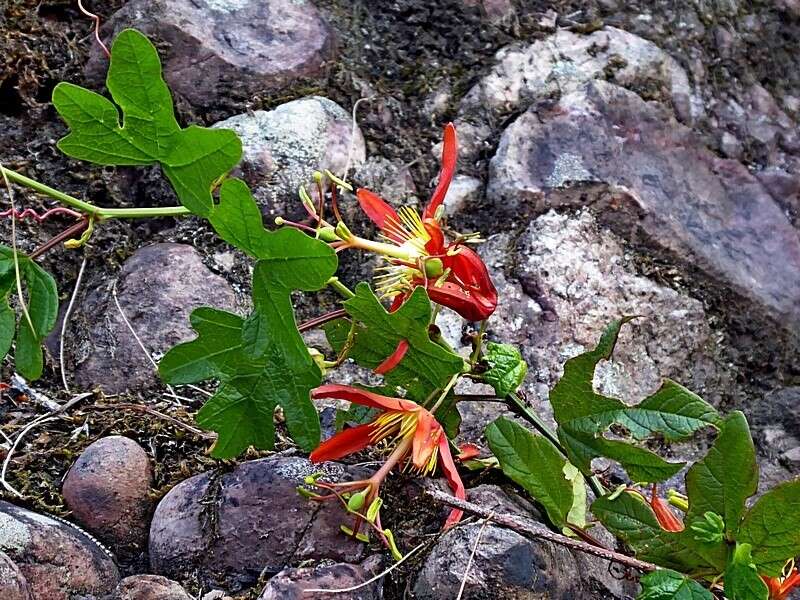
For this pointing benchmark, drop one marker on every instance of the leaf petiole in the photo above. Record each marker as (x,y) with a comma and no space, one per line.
(90,209)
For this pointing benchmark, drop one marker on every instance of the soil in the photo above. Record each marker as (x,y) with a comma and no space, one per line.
(416,49)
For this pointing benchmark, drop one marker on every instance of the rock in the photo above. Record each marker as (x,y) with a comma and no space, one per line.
(391,180)
(508,566)
(216,50)
(463,192)
(157,289)
(283,147)
(148,587)
(231,528)
(107,490)
(495,11)
(290,584)
(13,585)
(652,181)
(561,63)
(58,561)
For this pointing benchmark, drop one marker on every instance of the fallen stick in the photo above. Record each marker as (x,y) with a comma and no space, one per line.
(531,529)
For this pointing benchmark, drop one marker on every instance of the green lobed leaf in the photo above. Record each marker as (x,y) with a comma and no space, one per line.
(41,297)
(583,416)
(507,369)
(262,361)
(192,158)
(725,477)
(742,581)
(671,585)
(631,519)
(534,463)
(772,528)
(426,366)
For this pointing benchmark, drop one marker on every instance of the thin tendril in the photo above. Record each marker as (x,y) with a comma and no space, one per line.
(96,20)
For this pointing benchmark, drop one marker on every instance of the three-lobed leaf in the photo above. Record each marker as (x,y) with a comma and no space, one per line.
(261,362)
(671,585)
(192,158)
(534,463)
(583,416)
(425,367)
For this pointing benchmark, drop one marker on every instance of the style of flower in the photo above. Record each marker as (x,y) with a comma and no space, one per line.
(416,253)
(412,434)
(781,587)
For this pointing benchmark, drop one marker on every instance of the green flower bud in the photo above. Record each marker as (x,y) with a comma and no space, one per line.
(356,501)
(434,267)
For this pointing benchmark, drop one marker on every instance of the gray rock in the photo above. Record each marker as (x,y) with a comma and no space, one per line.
(463,191)
(215,48)
(107,490)
(59,562)
(290,584)
(508,566)
(233,527)
(495,11)
(391,180)
(157,288)
(13,585)
(652,181)
(284,146)
(148,587)
(561,63)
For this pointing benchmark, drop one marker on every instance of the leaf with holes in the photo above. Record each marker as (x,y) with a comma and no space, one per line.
(583,416)
(193,158)
(261,362)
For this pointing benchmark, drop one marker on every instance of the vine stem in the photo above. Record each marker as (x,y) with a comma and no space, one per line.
(91,209)
(534,530)
(525,412)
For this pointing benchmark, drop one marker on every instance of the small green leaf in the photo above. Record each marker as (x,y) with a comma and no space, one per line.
(742,581)
(710,530)
(671,585)
(425,367)
(577,513)
(583,416)
(725,477)
(261,362)
(772,528)
(41,298)
(192,158)
(534,463)
(507,369)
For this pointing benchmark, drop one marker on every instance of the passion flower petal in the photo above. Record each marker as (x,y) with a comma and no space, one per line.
(449,157)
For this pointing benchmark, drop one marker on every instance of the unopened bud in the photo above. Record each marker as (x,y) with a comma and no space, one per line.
(356,501)
(328,234)
(343,232)
(317,176)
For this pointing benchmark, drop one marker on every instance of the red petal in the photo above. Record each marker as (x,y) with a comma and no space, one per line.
(453,479)
(397,302)
(472,306)
(378,210)
(363,397)
(449,156)
(426,437)
(668,520)
(469,289)
(394,359)
(468,451)
(436,244)
(343,443)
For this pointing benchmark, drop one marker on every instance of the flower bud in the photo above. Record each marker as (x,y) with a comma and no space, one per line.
(434,267)
(356,501)
(328,234)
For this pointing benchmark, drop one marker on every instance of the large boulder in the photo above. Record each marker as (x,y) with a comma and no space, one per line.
(148,587)
(652,181)
(234,527)
(107,490)
(157,289)
(58,561)
(213,50)
(283,147)
(507,566)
